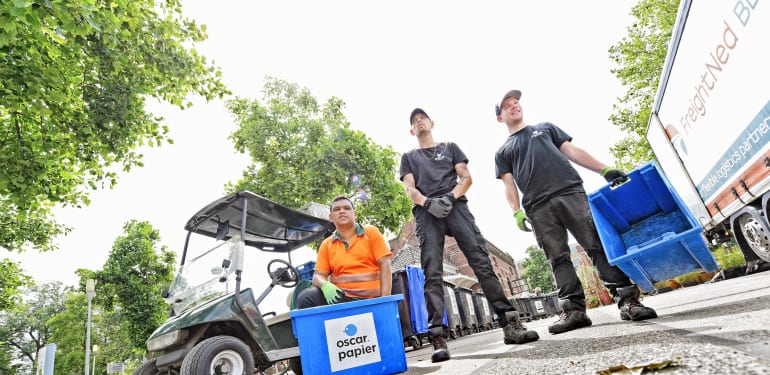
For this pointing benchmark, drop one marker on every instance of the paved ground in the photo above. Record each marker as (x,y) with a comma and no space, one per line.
(718,328)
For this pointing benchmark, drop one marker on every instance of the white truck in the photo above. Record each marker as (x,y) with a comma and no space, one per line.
(710,122)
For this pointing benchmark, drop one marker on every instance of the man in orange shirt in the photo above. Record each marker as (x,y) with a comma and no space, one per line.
(356,257)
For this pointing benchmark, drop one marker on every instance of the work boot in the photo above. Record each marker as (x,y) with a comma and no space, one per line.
(514,332)
(630,307)
(440,350)
(569,320)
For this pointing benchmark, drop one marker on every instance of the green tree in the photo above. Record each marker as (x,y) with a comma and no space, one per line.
(537,270)
(136,272)
(69,333)
(6,365)
(640,57)
(303,152)
(11,279)
(108,331)
(23,328)
(74,78)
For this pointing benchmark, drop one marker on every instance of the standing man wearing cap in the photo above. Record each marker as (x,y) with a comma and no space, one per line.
(536,160)
(436,178)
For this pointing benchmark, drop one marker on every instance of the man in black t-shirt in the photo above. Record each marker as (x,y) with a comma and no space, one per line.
(536,160)
(436,178)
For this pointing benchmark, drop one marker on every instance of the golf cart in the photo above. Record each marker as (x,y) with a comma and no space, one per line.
(216,326)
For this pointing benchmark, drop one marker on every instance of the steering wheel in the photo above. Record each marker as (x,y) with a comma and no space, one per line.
(286,277)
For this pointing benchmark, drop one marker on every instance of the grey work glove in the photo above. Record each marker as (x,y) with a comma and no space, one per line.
(439,207)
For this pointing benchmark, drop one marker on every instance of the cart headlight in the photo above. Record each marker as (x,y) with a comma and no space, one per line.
(165,340)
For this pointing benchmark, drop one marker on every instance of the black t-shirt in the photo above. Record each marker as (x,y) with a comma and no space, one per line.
(433,168)
(540,170)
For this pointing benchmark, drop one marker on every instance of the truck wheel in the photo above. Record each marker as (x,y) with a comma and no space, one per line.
(757,238)
(219,355)
(147,368)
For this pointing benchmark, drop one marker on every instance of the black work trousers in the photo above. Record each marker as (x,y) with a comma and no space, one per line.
(461,225)
(551,222)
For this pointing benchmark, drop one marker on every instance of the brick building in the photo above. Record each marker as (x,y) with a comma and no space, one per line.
(587,273)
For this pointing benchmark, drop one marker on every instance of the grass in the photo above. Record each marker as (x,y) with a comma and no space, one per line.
(727,256)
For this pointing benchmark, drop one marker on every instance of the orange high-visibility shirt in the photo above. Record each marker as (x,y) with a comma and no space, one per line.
(354,266)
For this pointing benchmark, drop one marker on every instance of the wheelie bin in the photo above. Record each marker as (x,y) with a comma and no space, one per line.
(401,286)
(523,307)
(483,313)
(538,304)
(467,314)
(454,321)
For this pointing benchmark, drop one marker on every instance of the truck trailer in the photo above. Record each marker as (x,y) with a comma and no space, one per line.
(710,122)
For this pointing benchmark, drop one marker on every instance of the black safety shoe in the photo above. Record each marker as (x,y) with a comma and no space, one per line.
(515,333)
(569,320)
(632,309)
(440,350)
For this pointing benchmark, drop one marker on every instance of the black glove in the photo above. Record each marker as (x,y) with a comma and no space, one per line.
(614,176)
(439,207)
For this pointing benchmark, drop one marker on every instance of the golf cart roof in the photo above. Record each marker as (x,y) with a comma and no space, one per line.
(269,226)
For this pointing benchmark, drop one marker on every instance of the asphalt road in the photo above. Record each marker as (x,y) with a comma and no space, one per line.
(717,328)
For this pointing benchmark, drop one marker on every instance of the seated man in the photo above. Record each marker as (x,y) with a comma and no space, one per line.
(358,258)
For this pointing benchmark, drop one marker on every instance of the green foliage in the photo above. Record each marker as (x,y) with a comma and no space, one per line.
(729,256)
(23,328)
(592,301)
(11,280)
(6,365)
(133,278)
(690,277)
(69,334)
(303,152)
(108,331)
(640,57)
(74,78)
(537,270)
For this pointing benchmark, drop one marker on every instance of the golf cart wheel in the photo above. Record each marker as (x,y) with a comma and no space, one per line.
(219,355)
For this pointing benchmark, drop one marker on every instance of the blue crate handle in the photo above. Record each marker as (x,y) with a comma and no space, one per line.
(663,237)
(618,182)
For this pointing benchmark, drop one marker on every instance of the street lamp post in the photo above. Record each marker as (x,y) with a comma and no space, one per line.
(93,368)
(90,292)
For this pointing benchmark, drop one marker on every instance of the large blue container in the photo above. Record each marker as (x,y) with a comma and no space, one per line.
(359,337)
(647,230)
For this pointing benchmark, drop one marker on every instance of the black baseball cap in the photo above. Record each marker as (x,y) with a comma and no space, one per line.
(415,112)
(510,94)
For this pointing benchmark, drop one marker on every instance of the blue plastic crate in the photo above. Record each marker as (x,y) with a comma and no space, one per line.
(359,337)
(647,230)
(306,270)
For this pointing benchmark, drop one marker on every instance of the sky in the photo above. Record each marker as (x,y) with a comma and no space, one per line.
(454,60)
